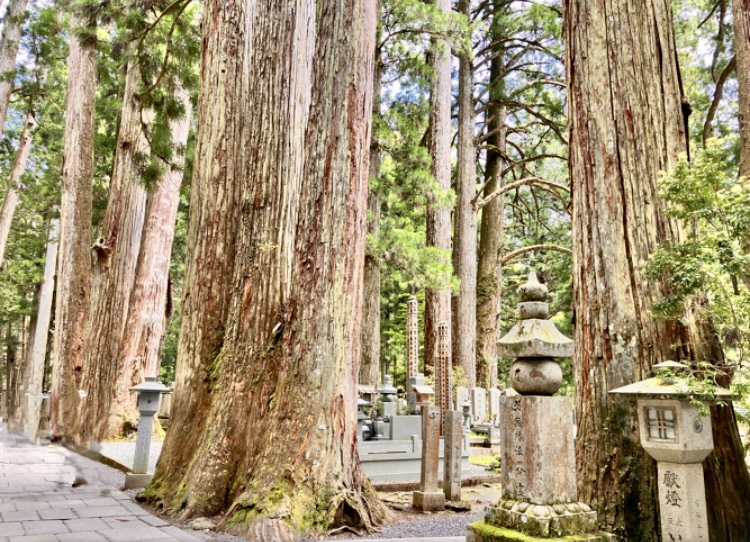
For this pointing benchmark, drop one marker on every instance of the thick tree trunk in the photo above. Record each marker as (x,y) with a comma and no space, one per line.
(33,368)
(282,372)
(370,365)
(626,125)
(74,264)
(12,27)
(741,17)
(489,266)
(147,318)
(103,411)
(11,194)
(437,307)
(465,222)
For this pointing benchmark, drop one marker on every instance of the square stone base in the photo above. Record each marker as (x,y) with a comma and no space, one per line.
(428,502)
(137,481)
(482,531)
(544,521)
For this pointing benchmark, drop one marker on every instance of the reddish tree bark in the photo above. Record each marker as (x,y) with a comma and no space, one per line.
(73,270)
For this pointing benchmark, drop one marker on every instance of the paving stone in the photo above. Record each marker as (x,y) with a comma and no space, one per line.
(34,538)
(134,534)
(32,505)
(12,529)
(58,513)
(51,526)
(7,507)
(154,521)
(23,515)
(102,512)
(180,535)
(88,536)
(67,503)
(102,501)
(87,524)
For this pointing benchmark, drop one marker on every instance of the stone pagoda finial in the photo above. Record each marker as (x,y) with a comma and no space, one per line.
(536,343)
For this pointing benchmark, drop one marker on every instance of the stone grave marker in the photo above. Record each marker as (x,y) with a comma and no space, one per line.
(429,498)
(452,455)
(478,405)
(462,396)
(494,404)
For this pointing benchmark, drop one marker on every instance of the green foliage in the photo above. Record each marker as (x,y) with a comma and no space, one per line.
(713,259)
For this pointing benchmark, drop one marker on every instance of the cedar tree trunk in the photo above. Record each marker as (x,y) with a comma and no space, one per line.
(33,369)
(465,222)
(74,263)
(16,171)
(489,267)
(370,366)
(147,318)
(267,368)
(8,50)
(627,125)
(437,307)
(103,411)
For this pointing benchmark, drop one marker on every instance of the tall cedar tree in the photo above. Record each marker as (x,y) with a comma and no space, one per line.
(73,265)
(465,220)
(9,44)
(626,126)
(265,399)
(438,302)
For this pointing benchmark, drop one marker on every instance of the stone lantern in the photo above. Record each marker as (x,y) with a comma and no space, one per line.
(675,433)
(538,478)
(149,397)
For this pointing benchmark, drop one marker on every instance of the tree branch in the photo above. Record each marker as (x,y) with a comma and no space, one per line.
(514,254)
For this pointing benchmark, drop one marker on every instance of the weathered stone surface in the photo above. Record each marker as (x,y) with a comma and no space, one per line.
(535,338)
(538,454)
(430,449)
(682,502)
(452,445)
(403,427)
(478,405)
(532,289)
(494,405)
(429,501)
(462,396)
(535,376)
(541,520)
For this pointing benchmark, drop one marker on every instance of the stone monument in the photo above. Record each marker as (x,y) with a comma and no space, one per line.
(478,405)
(675,433)
(494,406)
(443,371)
(429,498)
(539,498)
(412,351)
(452,443)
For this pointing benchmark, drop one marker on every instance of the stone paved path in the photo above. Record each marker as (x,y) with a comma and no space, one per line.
(38,502)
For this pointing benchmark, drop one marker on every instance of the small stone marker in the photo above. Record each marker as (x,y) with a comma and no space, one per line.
(452,455)
(495,406)
(429,499)
(462,396)
(149,395)
(478,405)
(443,370)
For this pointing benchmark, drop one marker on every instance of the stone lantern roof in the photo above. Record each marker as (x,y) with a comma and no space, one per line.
(534,336)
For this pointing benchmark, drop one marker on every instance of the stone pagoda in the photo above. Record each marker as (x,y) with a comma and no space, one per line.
(540,498)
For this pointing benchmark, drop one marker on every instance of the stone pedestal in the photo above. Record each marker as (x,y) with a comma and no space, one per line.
(452,456)
(682,502)
(538,453)
(429,498)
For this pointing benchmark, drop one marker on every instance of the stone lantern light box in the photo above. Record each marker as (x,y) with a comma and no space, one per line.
(679,437)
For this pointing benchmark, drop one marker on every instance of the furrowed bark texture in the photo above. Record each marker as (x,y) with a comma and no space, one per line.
(626,125)
(437,307)
(33,370)
(370,365)
(147,317)
(741,18)
(220,148)
(465,223)
(11,195)
(8,52)
(275,434)
(74,263)
(103,412)
(489,268)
